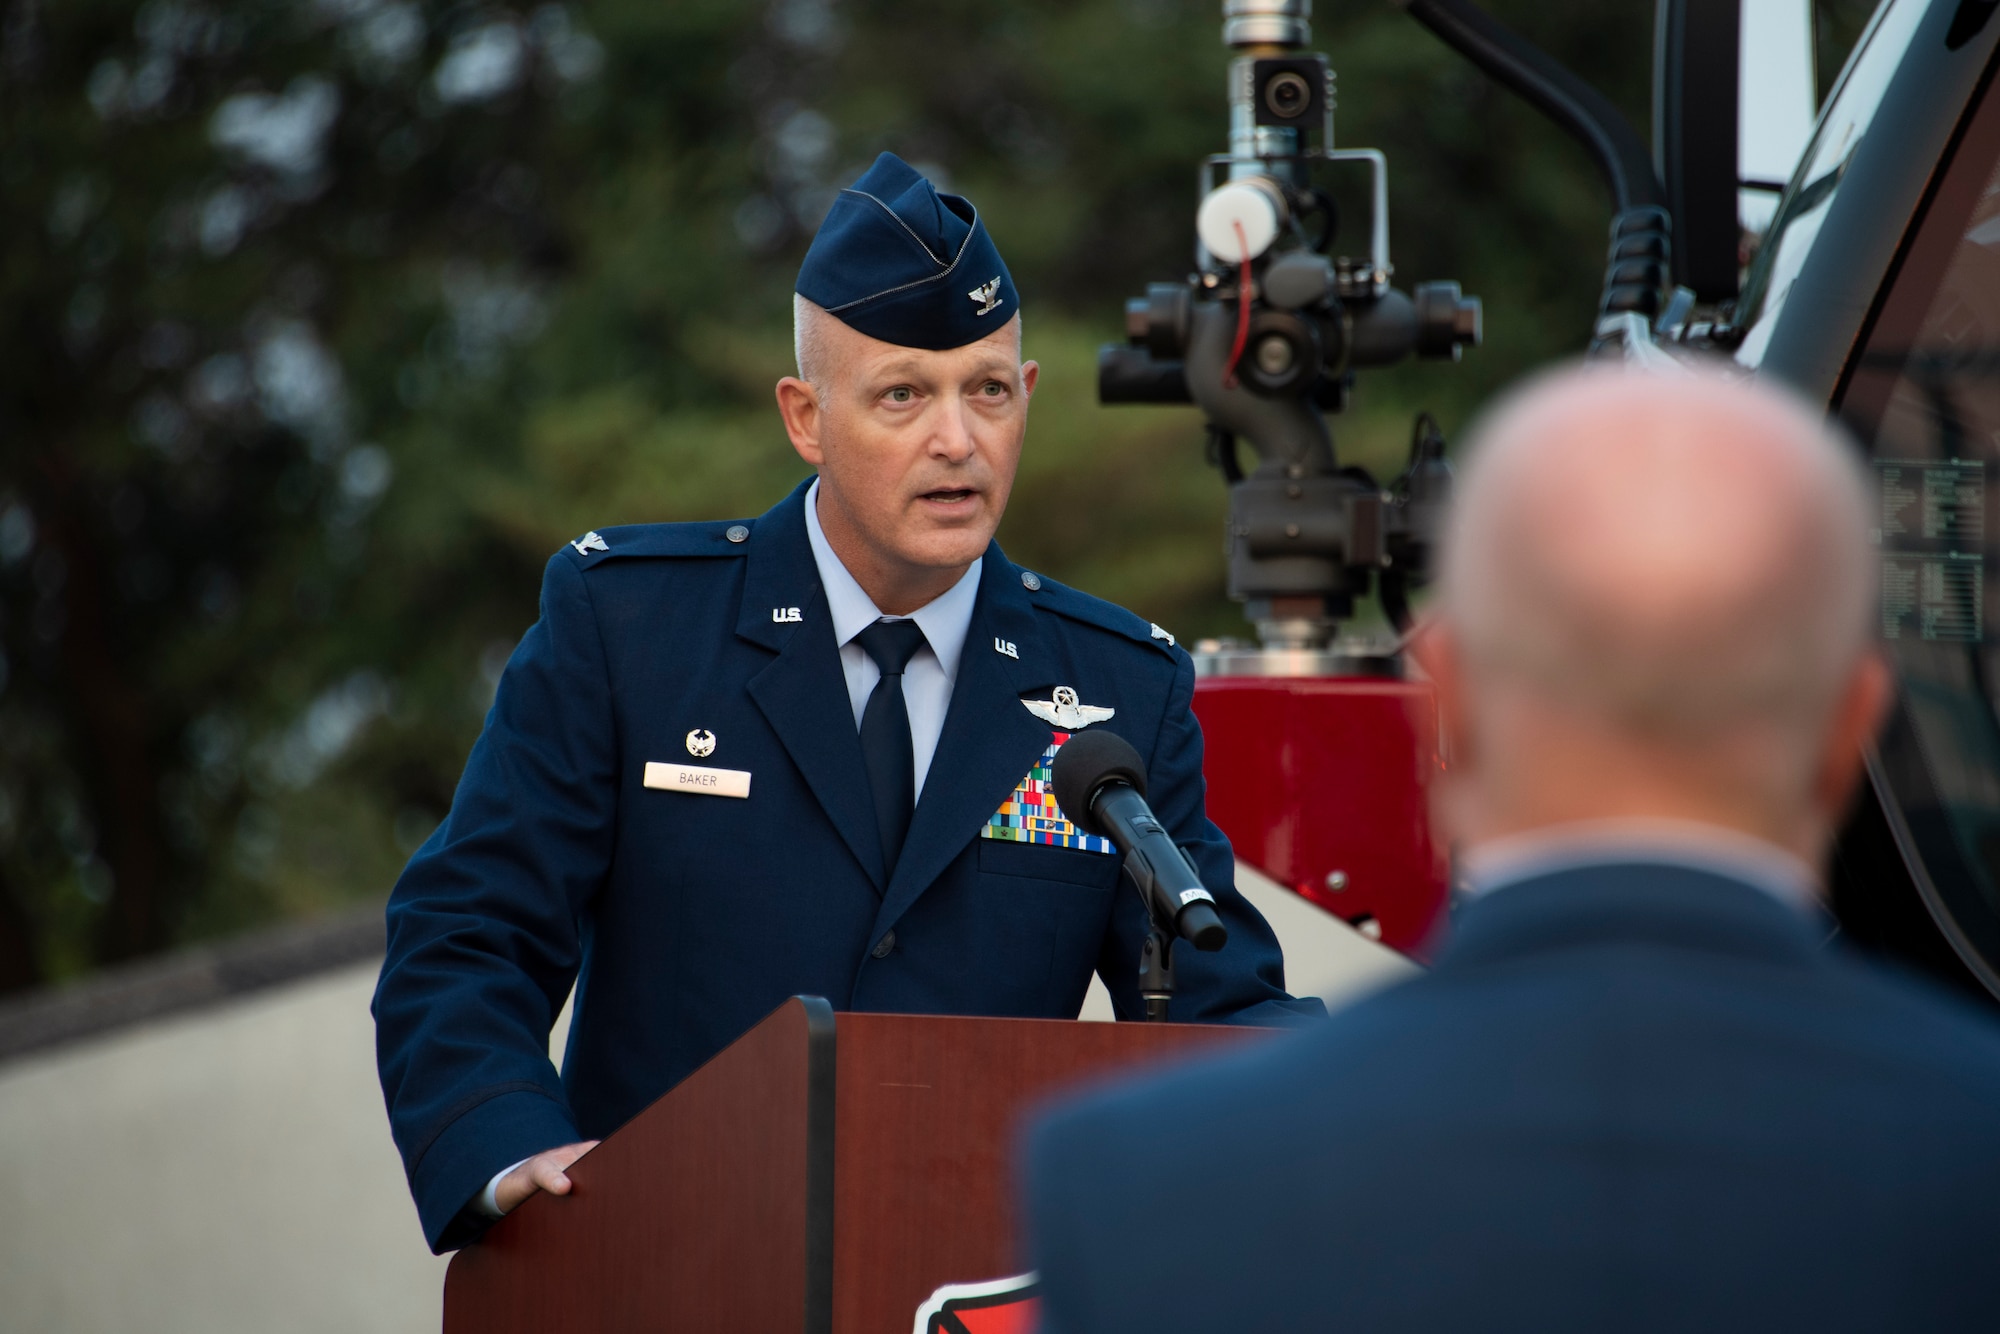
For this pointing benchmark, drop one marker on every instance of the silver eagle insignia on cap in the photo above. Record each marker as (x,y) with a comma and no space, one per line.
(1065,712)
(987,293)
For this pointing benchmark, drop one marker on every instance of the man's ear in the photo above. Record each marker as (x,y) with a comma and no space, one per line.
(1030,373)
(1856,719)
(1434,649)
(798,405)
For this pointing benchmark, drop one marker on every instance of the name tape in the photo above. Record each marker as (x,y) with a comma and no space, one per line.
(688,778)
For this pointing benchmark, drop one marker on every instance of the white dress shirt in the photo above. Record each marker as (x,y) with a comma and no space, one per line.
(1494,865)
(927,680)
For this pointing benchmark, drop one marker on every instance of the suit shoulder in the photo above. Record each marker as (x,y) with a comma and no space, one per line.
(1048,595)
(721,538)
(1962,1033)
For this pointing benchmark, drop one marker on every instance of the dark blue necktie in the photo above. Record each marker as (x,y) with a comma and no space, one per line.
(886,749)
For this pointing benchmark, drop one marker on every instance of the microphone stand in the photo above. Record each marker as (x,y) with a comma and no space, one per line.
(1156,963)
(1102,779)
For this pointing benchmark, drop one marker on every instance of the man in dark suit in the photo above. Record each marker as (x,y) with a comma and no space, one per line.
(804,753)
(1639,1091)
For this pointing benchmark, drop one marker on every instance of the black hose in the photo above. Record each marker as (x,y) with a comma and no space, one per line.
(1641,228)
(1222,453)
(1586,114)
(1392,592)
(1320,202)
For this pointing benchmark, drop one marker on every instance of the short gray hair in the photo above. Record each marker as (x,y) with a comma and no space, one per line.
(809,339)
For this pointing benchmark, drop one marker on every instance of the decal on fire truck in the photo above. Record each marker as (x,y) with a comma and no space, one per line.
(997,1306)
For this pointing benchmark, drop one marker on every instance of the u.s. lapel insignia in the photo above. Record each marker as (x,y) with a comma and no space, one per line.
(989,294)
(1005,648)
(1031,815)
(1064,711)
(588,543)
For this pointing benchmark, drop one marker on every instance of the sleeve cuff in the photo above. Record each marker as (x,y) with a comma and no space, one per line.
(508,1128)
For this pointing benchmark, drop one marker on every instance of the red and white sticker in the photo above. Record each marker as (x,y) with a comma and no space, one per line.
(997,1306)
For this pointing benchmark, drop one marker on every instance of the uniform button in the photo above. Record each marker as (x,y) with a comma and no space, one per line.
(884,946)
(1030,580)
(736,532)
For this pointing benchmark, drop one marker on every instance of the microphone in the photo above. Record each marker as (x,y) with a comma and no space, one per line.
(1100,783)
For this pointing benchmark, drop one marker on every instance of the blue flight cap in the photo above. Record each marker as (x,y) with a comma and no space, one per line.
(905,264)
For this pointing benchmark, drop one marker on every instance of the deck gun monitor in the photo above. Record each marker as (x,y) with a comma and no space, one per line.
(1265,336)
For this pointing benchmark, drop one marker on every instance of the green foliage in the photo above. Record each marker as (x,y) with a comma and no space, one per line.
(326,321)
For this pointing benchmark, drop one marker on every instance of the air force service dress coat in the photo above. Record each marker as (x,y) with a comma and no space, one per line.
(684,917)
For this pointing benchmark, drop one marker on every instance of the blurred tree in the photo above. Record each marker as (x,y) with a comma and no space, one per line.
(326,320)
(231,225)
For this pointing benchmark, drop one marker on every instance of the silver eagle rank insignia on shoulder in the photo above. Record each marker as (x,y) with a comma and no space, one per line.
(1064,711)
(589,542)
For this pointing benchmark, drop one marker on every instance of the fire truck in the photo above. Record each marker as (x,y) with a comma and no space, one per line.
(1850,249)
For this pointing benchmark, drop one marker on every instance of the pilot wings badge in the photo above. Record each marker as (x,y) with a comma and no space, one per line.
(988,294)
(1064,712)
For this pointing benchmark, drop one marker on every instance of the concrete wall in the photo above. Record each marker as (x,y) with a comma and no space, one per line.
(230,1169)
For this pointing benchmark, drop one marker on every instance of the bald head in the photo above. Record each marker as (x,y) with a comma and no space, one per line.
(1665,577)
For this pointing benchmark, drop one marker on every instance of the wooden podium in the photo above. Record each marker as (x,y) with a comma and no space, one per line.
(824,1173)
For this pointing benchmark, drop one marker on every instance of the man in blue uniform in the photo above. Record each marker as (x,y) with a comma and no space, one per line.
(1640,1091)
(804,753)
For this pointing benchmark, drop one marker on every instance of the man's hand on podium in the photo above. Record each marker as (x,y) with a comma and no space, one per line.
(545,1171)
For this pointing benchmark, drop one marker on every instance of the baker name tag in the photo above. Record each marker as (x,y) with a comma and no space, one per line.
(688,778)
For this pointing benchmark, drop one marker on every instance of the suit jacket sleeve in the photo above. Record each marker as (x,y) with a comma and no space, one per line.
(483,939)
(1244,981)
(1059,1183)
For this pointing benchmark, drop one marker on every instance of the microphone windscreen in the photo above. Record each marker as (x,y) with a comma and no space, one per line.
(1086,762)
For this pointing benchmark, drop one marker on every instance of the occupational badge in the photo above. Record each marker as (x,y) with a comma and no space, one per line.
(1065,711)
(701,743)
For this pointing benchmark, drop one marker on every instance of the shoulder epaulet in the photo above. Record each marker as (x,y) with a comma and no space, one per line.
(725,537)
(1049,595)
